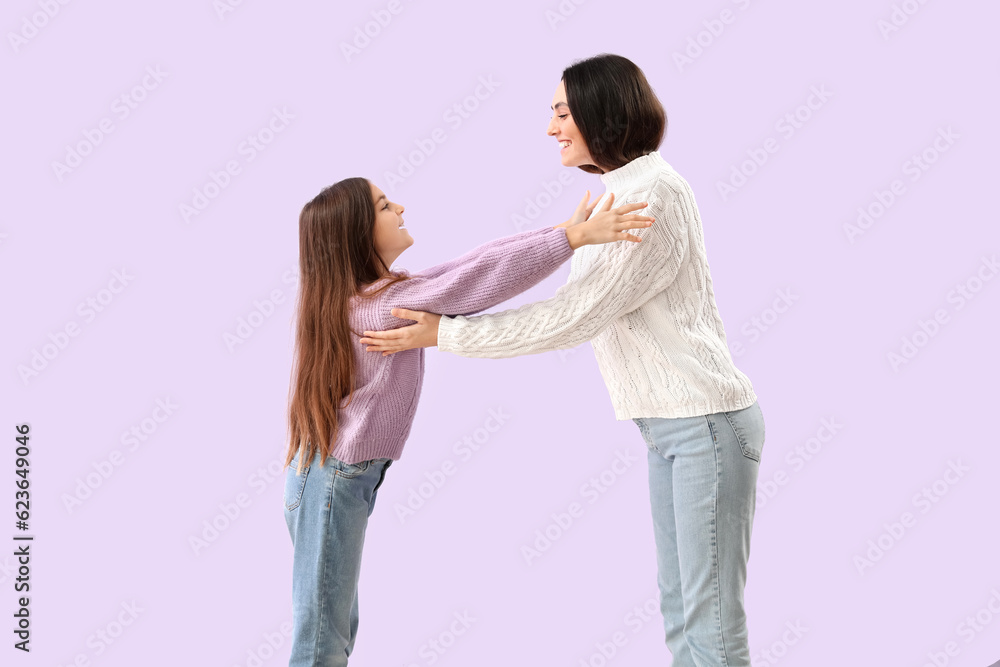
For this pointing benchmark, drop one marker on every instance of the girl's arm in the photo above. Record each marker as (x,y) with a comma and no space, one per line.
(485,276)
(583,211)
(501,269)
(628,275)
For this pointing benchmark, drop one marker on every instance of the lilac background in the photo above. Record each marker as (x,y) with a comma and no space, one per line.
(825,358)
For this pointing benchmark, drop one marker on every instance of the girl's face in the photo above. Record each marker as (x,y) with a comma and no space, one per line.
(391,237)
(572,148)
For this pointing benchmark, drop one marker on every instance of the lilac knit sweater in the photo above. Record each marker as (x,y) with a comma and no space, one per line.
(377,421)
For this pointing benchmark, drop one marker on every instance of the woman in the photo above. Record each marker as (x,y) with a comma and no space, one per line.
(650,313)
(351,413)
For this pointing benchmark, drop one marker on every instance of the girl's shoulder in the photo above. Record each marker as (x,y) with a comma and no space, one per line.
(380,286)
(367,310)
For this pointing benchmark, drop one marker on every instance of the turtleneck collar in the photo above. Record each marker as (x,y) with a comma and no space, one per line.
(618,178)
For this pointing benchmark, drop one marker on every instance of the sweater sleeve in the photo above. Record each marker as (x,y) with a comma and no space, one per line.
(624,277)
(484,276)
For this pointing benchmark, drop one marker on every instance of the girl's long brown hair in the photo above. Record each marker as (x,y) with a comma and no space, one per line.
(337,259)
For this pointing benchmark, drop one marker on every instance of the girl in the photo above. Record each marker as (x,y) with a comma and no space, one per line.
(350,413)
(650,313)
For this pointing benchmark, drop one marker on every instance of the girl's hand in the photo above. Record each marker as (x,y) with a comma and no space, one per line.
(608,225)
(582,212)
(422,334)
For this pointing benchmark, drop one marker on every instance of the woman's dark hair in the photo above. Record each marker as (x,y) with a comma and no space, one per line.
(337,259)
(615,109)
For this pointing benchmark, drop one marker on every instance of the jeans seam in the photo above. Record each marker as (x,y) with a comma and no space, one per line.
(322,582)
(716,576)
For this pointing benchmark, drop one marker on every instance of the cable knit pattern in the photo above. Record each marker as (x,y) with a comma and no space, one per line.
(377,420)
(648,309)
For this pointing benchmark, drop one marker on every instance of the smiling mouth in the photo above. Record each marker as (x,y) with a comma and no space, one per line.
(563,145)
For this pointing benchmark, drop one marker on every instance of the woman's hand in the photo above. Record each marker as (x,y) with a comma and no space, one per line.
(608,225)
(422,334)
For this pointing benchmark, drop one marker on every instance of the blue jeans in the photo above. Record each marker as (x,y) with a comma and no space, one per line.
(327,509)
(702,489)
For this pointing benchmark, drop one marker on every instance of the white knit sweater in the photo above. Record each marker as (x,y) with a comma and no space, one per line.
(647,308)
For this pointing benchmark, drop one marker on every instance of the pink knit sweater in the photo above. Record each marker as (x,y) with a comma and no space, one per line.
(377,421)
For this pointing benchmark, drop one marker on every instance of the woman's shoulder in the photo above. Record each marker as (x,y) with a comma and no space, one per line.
(668,195)
(666,177)
(668,188)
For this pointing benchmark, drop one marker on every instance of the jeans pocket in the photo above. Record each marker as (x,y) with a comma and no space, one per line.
(644,431)
(388,462)
(350,470)
(295,484)
(748,426)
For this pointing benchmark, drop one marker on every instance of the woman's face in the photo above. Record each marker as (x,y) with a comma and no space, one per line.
(572,148)
(391,237)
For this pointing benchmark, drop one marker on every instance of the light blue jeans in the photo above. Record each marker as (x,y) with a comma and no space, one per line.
(702,489)
(327,509)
